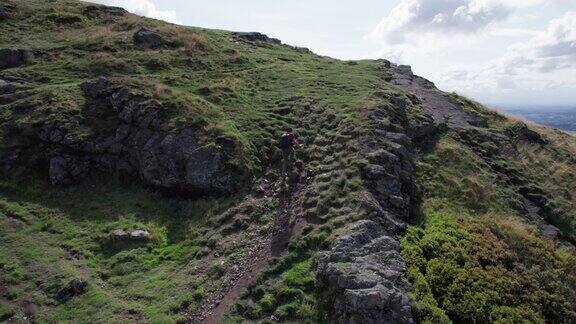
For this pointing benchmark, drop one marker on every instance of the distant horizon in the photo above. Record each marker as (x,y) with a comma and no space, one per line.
(540,107)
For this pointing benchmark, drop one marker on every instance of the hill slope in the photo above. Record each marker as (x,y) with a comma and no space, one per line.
(140,182)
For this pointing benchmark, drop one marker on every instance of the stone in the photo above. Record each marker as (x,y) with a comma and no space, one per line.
(387,64)
(139,234)
(399,138)
(550,232)
(362,279)
(75,287)
(405,69)
(11,57)
(7,87)
(136,146)
(95,11)
(58,171)
(6,11)
(148,38)
(397,201)
(255,37)
(119,235)
(94,88)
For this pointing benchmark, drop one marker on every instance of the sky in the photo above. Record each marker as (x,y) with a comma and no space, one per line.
(500,52)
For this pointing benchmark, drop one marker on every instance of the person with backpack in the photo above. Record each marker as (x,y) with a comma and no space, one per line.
(287,143)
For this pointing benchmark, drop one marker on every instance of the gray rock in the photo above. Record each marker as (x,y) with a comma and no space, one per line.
(119,235)
(255,37)
(397,201)
(95,11)
(399,138)
(11,57)
(95,88)
(58,171)
(362,277)
(148,38)
(387,64)
(6,11)
(75,287)
(139,235)
(405,69)
(7,87)
(550,232)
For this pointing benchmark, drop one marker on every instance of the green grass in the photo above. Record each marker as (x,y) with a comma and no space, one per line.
(473,258)
(465,252)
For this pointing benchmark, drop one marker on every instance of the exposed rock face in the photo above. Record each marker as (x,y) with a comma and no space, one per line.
(7,87)
(75,287)
(148,38)
(134,144)
(255,37)
(100,11)
(364,274)
(11,57)
(434,102)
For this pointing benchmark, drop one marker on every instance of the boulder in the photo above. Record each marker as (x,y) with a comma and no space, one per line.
(148,38)
(139,235)
(94,88)
(255,37)
(58,171)
(94,11)
(362,277)
(66,170)
(405,69)
(119,235)
(7,87)
(550,232)
(387,64)
(75,287)
(11,57)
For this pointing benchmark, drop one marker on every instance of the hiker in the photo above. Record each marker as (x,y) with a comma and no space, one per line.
(287,143)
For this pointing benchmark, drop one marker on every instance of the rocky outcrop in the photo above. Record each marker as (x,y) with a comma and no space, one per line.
(95,11)
(435,103)
(364,273)
(133,144)
(7,87)
(255,37)
(75,287)
(12,57)
(149,39)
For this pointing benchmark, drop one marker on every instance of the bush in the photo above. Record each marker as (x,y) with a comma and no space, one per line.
(460,269)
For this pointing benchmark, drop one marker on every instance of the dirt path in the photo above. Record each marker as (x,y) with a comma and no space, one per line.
(256,260)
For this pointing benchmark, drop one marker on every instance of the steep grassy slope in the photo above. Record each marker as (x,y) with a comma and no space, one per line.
(480,252)
(480,247)
(232,91)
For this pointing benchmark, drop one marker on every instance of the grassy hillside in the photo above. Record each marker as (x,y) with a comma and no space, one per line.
(472,253)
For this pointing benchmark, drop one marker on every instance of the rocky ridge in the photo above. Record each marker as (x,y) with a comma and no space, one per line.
(135,145)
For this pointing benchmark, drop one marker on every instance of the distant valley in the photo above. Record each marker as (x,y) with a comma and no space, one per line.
(563,118)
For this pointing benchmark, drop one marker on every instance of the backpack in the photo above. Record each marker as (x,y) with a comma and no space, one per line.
(285,141)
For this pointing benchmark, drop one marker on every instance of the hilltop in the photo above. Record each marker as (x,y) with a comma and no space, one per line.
(140,183)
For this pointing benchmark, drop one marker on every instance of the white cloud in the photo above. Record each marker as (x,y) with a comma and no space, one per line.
(142,7)
(488,49)
(412,19)
(545,62)
(550,50)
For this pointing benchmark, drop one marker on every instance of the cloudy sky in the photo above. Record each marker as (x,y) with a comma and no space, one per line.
(502,52)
